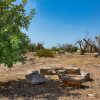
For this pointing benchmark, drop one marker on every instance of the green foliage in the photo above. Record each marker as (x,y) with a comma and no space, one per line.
(13,42)
(44,53)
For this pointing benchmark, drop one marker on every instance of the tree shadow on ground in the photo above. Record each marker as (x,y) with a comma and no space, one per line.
(20,88)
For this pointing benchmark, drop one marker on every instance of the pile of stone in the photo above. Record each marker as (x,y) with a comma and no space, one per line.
(70,76)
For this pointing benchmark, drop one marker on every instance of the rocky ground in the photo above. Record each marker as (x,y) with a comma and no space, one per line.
(13,85)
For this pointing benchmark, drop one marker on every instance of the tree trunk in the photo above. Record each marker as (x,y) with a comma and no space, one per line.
(90,49)
(82,52)
(98,53)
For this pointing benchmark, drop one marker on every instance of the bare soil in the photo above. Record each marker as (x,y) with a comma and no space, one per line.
(13,85)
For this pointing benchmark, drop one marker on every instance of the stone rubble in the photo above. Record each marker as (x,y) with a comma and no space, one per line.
(70,76)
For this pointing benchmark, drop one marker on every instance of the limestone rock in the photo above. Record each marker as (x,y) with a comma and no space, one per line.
(69,70)
(91,95)
(71,80)
(65,70)
(52,77)
(72,70)
(85,76)
(35,78)
(50,71)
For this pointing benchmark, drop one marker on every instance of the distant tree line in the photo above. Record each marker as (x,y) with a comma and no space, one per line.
(60,49)
(85,45)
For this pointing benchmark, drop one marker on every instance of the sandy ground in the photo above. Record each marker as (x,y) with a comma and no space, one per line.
(13,85)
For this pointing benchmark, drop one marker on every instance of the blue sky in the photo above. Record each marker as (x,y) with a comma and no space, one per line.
(63,21)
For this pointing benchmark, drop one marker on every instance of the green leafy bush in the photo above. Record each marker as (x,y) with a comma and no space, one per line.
(44,53)
(13,42)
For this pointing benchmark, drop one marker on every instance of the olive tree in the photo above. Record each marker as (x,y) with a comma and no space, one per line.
(95,44)
(13,42)
(83,46)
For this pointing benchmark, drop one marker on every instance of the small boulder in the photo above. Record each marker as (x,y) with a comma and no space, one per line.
(85,76)
(35,78)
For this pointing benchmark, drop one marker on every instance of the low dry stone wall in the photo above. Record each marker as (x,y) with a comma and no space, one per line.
(70,76)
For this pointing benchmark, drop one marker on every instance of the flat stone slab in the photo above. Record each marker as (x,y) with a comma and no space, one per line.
(52,77)
(35,78)
(65,70)
(73,70)
(71,80)
(50,71)
(69,70)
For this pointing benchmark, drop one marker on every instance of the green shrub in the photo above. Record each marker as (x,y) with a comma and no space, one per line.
(44,53)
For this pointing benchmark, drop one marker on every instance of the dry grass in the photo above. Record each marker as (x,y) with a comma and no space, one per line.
(13,85)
